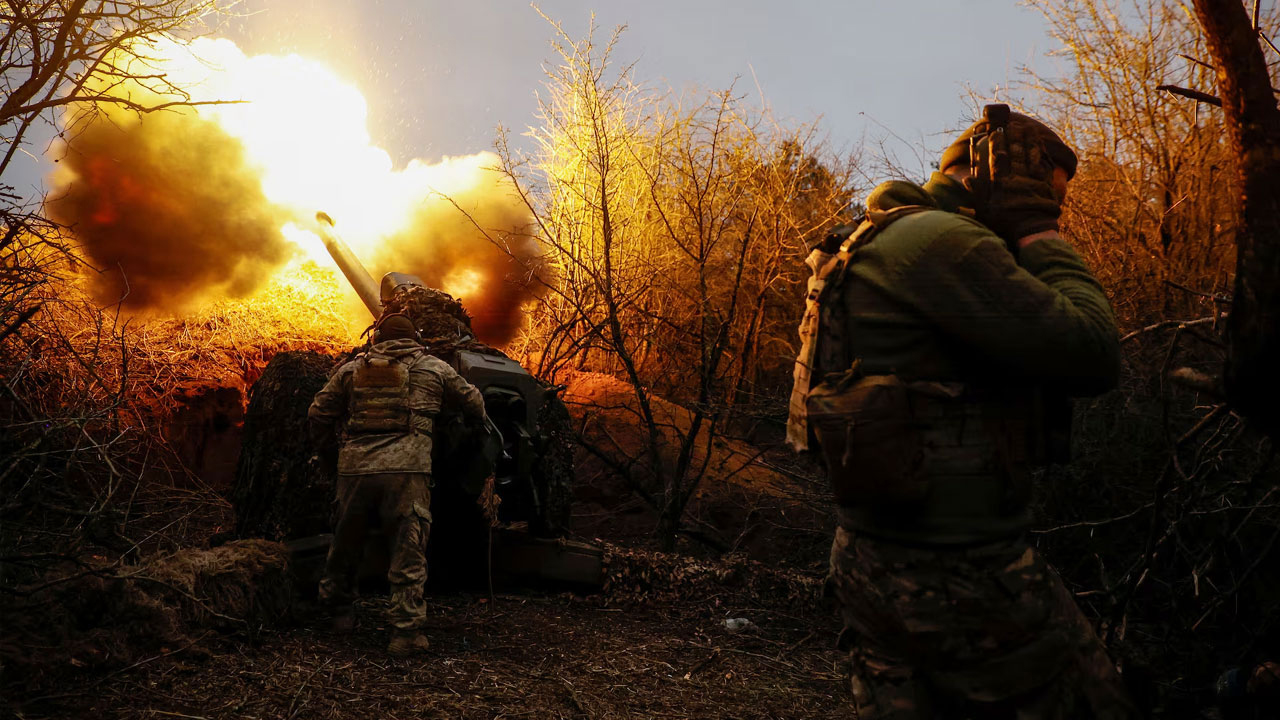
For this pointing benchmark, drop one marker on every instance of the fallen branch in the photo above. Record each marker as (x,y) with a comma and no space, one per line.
(1166,324)
(702,664)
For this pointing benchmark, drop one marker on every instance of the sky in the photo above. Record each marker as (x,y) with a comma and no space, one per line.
(441,75)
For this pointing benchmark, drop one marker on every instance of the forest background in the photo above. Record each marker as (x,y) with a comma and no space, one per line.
(673,230)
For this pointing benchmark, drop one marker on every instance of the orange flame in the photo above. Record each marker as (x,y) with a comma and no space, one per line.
(304,130)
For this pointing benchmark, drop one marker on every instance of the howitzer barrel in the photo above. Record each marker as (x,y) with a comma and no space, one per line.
(350,266)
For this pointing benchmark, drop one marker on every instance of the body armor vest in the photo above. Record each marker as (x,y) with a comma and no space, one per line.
(924,461)
(829,272)
(380,396)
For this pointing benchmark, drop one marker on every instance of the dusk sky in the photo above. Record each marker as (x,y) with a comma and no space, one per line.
(440,76)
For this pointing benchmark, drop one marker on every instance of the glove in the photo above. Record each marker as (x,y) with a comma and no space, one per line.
(1013,189)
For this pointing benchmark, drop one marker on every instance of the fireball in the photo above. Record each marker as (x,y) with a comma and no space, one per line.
(300,136)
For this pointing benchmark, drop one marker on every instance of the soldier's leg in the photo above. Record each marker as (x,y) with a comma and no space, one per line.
(407,519)
(351,525)
(1029,651)
(984,632)
(1089,685)
(883,682)
(885,687)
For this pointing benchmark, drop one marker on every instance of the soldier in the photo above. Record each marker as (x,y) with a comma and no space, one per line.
(388,397)
(936,336)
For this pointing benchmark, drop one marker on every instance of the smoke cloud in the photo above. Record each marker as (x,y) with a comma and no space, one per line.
(169,211)
(180,206)
(467,235)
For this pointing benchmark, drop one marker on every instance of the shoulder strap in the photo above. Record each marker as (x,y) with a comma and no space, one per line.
(834,272)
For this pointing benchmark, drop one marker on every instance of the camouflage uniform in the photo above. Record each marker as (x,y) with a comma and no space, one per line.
(389,397)
(986,631)
(951,613)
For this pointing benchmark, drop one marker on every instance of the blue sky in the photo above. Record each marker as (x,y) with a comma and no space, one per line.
(439,76)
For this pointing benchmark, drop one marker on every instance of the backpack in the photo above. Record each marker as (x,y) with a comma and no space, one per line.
(862,423)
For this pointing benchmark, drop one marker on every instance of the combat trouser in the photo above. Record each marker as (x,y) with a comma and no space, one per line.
(987,631)
(400,503)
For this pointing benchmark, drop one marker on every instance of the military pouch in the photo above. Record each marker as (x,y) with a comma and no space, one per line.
(869,439)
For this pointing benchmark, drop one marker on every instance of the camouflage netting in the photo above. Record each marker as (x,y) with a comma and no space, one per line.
(278,493)
(639,576)
(113,618)
(438,316)
(245,582)
(553,475)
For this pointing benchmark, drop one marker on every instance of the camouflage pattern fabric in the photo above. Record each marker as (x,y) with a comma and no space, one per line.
(438,315)
(978,632)
(400,502)
(432,383)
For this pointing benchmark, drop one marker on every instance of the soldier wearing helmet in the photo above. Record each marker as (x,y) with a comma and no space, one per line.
(383,404)
(935,337)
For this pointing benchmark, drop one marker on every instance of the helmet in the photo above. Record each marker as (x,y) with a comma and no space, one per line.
(395,326)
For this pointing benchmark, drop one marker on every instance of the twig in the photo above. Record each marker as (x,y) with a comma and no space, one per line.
(793,646)
(703,663)
(1166,324)
(575,701)
(1216,297)
(1257,562)
(1209,416)
(293,711)
(1093,523)
(22,318)
(1192,94)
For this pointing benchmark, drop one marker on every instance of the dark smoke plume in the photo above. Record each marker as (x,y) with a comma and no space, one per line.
(442,241)
(169,210)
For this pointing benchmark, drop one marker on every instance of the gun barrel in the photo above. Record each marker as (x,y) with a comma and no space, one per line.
(350,266)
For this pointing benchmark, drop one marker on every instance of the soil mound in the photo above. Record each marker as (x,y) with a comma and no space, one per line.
(747,499)
(109,618)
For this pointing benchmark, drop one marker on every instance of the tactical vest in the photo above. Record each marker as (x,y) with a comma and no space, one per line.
(380,396)
(921,461)
(829,273)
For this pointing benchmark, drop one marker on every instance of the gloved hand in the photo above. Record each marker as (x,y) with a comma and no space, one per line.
(1014,194)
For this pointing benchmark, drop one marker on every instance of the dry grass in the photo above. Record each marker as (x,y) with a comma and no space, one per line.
(105,618)
(518,656)
(91,395)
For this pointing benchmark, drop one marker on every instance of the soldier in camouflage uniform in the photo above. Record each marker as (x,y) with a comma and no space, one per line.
(386,400)
(932,337)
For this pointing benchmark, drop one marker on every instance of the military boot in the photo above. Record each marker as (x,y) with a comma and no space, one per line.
(405,642)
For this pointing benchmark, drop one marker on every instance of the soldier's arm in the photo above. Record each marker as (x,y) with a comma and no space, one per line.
(329,406)
(463,394)
(1044,316)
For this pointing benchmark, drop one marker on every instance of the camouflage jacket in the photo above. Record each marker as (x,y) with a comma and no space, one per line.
(385,446)
(937,297)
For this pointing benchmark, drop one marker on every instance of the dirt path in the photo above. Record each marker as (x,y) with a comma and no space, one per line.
(518,657)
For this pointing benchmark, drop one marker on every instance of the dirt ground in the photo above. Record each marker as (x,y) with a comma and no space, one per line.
(515,656)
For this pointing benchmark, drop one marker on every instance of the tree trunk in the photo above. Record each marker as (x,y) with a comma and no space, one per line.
(1253,123)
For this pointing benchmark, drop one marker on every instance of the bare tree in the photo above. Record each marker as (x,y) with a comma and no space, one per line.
(675,234)
(60,53)
(1253,125)
(1151,203)
(65,365)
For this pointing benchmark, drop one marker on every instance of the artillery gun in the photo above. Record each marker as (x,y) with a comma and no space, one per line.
(502,492)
